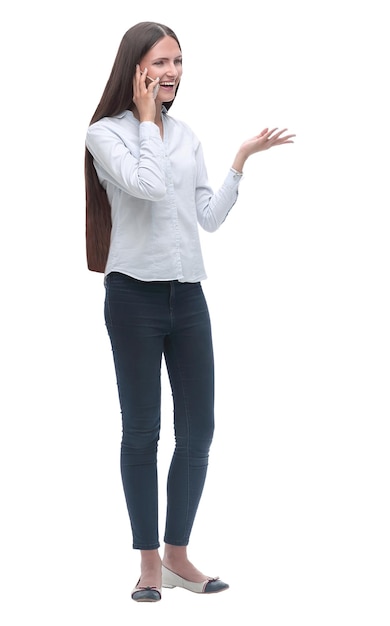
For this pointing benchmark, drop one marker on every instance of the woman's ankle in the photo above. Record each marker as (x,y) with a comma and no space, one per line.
(176,559)
(175,554)
(150,568)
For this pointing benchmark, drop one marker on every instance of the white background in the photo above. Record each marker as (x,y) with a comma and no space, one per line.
(295,513)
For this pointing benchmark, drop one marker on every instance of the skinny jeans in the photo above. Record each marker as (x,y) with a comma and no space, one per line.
(147,321)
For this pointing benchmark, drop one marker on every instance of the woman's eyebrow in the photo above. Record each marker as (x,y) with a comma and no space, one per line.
(180,56)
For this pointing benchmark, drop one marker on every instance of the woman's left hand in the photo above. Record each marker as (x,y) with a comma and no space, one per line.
(263,141)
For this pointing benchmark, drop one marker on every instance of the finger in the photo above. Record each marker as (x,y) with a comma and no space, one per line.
(271,132)
(285,138)
(275,135)
(288,138)
(142,76)
(281,141)
(136,77)
(278,138)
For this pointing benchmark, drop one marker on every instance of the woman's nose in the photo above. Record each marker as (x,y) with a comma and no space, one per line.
(172,71)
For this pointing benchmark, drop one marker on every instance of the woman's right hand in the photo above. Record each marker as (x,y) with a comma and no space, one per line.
(144,95)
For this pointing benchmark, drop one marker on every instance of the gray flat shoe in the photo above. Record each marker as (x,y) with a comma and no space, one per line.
(210,585)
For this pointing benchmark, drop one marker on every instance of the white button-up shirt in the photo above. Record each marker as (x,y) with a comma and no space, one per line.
(159,192)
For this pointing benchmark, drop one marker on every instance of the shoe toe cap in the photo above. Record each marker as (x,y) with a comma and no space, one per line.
(213,586)
(146,595)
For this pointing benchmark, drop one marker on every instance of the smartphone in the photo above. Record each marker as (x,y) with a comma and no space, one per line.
(156,88)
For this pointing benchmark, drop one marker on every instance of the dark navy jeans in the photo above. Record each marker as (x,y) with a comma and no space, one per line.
(146,321)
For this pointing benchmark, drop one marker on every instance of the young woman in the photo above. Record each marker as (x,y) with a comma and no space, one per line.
(146,193)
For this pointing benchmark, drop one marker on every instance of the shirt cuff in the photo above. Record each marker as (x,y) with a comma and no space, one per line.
(234,175)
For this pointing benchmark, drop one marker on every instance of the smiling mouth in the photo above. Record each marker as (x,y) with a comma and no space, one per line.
(167,85)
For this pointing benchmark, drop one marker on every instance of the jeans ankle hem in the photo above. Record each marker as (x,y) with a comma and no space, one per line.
(153,546)
(173,542)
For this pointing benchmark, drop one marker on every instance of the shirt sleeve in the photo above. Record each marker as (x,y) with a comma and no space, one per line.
(213,208)
(140,175)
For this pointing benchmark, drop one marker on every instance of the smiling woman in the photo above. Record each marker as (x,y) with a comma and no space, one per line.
(164,60)
(147,191)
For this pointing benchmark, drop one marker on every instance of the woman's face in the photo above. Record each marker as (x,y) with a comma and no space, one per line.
(164,60)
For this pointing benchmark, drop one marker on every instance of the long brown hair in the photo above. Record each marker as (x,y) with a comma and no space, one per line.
(117,97)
